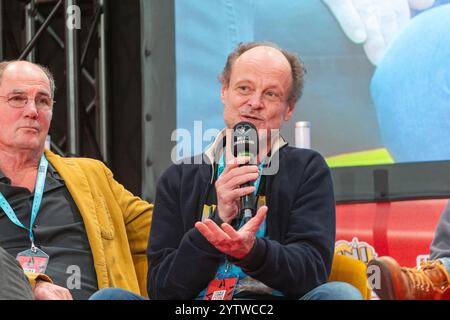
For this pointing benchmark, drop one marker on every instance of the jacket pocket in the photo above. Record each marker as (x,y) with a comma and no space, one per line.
(104,218)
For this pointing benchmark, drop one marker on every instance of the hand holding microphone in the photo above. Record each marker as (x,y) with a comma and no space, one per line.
(234,188)
(235,196)
(246,144)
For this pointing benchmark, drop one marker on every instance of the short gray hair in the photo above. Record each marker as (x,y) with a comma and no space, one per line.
(51,79)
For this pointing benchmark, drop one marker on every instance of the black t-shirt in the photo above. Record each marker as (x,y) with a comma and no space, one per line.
(58,231)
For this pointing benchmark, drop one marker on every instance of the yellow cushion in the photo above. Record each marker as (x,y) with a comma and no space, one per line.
(352,271)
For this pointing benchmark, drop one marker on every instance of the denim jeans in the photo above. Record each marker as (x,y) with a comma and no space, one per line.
(327,291)
(446,263)
(333,291)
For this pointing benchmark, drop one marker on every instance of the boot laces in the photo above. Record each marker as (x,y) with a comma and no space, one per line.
(420,280)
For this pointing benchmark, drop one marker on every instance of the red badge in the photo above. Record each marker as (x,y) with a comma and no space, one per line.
(221,289)
(34,261)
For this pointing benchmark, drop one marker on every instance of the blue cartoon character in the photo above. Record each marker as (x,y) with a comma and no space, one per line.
(411,90)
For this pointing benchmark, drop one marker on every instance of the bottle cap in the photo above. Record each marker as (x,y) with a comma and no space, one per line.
(303,124)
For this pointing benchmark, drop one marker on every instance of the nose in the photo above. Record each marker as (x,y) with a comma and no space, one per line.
(30,110)
(255,100)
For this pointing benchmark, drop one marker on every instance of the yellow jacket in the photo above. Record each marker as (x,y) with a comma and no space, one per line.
(117,223)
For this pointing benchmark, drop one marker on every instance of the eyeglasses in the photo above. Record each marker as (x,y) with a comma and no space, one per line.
(42,102)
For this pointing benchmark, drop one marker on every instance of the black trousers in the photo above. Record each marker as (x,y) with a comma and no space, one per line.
(14,285)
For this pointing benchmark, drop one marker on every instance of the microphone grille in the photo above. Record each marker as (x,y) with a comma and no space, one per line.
(245,140)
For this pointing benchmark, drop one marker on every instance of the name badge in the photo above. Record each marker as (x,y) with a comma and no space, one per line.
(221,289)
(33,260)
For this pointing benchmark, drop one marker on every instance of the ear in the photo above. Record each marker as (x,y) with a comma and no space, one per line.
(289,111)
(223,92)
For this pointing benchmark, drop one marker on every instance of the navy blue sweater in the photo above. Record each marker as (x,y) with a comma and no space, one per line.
(294,257)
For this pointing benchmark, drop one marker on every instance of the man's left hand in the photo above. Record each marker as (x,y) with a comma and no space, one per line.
(226,239)
(49,291)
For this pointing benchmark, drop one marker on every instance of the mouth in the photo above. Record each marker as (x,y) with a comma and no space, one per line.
(251,118)
(34,129)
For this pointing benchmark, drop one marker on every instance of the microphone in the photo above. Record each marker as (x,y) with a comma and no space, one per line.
(246,144)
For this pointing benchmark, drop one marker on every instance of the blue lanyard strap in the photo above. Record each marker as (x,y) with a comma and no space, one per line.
(38,193)
(227,269)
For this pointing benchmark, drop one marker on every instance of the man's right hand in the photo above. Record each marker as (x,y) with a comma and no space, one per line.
(228,188)
(49,291)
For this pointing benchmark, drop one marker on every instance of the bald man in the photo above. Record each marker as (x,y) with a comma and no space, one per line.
(199,246)
(67,228)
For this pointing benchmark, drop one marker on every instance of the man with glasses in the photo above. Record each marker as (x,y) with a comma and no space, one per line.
(67,228)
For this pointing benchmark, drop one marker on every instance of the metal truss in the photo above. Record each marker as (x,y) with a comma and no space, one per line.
(85,122)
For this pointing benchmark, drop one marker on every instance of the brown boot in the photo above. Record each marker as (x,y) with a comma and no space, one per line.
(430,282)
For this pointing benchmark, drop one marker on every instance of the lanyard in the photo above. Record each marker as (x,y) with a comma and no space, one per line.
(38,192)
(227,269)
